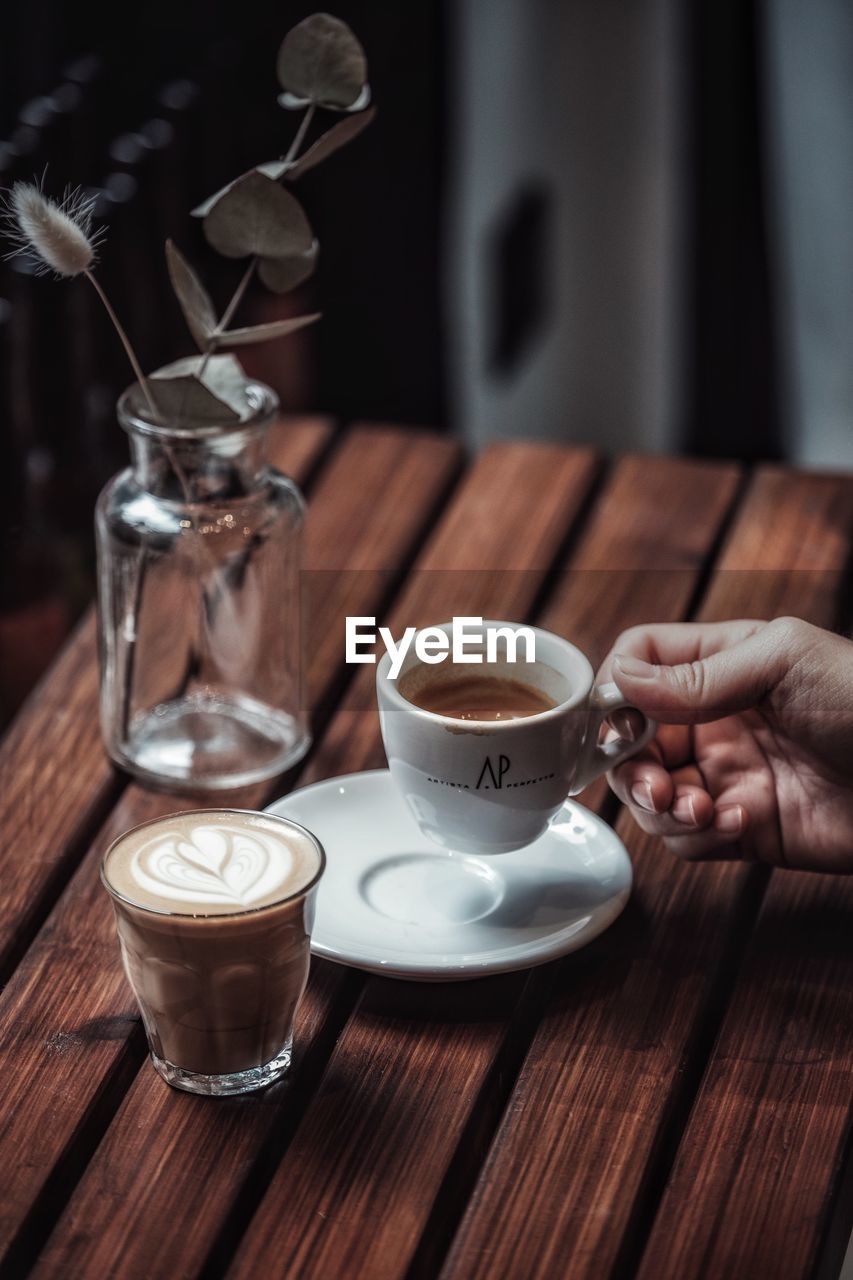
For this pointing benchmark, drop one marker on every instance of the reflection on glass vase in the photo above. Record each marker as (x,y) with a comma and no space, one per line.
(199,558)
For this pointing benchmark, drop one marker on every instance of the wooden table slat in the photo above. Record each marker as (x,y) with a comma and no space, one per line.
(56,783)
(762,1151)
(67,1015)
(573,1162)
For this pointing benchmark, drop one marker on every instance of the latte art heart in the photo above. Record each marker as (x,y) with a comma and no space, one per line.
(213,864)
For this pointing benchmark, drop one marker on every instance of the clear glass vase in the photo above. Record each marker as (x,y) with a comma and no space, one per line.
(199,556)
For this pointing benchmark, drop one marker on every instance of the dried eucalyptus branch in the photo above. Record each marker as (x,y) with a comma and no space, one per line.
(299,136)
(320,66)
(237,297)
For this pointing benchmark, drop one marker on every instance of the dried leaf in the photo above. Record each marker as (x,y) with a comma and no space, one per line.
(257,216)
(326,145)
(290,102)
(362,102)
(217,399)
(283,274)
(184,401)
(194,299)
(270,169)
(321,59)
(265,332)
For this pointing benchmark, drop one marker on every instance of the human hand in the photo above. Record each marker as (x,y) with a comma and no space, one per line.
(753,757)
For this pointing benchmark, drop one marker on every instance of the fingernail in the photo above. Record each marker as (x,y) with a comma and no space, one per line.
(729,821)
(683,811)
(634,667)
(641,794)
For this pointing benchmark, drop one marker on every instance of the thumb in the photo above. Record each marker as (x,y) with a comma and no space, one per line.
(722,684)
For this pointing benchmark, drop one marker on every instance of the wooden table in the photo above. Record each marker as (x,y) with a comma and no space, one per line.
(672,1101)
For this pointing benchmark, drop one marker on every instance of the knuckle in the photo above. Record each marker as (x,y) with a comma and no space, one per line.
(629,639)
(689,679)
(791,632)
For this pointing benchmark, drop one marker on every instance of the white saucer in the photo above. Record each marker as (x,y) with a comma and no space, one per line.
(394,903)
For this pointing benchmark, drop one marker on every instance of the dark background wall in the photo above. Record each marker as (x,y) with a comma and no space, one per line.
(732,357)
(156,106)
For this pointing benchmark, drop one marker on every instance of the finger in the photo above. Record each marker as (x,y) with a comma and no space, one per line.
(689,775)
(704,689)
(668,643)
(643,783)
(649,778)
(691,811)
(675,744)
(719,842)
(628,723)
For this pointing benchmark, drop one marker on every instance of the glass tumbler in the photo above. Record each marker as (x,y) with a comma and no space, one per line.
(218,988)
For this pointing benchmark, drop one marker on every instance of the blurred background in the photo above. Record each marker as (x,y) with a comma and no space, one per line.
(580,220)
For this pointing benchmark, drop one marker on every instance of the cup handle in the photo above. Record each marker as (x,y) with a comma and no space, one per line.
(597,757)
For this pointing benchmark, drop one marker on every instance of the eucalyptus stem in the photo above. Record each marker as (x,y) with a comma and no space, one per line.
(299,136)
(237,296)
(239,293)
(125,341)
(228,314)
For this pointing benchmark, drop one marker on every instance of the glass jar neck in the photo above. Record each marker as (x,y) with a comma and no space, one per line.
(219,466)
(204,464)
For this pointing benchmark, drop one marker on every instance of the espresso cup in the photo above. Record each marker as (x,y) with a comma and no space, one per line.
(491,786)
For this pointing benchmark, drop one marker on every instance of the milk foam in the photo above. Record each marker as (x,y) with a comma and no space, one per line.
(213,863)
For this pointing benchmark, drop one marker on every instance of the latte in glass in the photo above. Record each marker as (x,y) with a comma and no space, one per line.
(214,910)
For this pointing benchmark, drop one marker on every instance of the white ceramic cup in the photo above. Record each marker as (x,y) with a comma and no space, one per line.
(487,787)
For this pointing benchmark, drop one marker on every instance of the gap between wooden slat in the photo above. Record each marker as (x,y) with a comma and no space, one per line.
(723,536)
(573,538)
